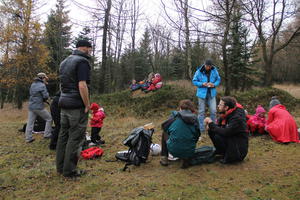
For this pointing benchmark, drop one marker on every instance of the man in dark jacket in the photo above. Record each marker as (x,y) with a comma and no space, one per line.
(55,113)
(229,136)
(74,101)
(36,107)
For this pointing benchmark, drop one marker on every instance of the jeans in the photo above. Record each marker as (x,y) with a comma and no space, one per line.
(32,114)
(71,137)
(211,102)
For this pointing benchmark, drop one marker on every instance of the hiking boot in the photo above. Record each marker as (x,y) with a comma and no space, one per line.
(29,141)
(98,142)
(77,173)
(185,164)
(164,161)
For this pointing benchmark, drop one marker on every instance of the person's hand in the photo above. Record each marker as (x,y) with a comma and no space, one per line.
(87,108)
(205,84)
(210,85)
(207,120)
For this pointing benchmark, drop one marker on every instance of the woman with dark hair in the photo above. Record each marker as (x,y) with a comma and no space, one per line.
(180,134)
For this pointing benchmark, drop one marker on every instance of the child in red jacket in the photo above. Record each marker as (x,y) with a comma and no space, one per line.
(257,122)
(96,123)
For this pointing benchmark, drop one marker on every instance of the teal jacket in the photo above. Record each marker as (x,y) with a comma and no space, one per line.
(200,78)
(183,134)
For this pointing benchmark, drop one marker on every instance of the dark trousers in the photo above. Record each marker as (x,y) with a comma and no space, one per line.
(164,148)
(95,134)
(219,142)
(55,133)
(71,137)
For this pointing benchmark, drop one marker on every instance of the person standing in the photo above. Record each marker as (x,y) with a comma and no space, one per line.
(74,101)
(206,78)
(229,135)
(36,107)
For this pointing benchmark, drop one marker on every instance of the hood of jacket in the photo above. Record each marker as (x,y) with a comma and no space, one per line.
(80,53)
(202,68)
(187,116)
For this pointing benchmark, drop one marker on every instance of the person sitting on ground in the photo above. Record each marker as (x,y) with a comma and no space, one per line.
(180,134)
(156,83)
(55,113)
(134,85)
(96,123)
(256,123)
(145,85)
(280,123)
(229,135)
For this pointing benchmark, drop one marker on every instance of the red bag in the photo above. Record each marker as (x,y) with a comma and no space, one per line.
(91,153)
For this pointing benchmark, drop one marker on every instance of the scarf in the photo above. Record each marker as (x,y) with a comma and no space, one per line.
(223,116)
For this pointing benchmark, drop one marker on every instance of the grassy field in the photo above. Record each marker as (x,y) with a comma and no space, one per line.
(27,171)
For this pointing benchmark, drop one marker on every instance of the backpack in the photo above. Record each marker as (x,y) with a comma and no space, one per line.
(139,142)
(204,154)
(91,153)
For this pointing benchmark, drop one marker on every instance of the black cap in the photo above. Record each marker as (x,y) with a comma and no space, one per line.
(83,43)
(208,62)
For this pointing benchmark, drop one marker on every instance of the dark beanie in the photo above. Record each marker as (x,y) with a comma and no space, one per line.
(274,101)
(208,62)
(83,43)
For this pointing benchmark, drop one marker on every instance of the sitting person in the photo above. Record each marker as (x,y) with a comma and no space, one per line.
(156,83)
(134,85)
(97,123)
(229,135)
(280,124)
(180,134)
(145,84)
(256,123)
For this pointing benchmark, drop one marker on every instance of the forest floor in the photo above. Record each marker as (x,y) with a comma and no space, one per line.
(27,171)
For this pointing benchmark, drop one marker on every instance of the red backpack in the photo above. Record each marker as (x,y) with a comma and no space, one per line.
(92,152)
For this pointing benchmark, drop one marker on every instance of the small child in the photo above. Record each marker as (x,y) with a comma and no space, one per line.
(96,123)
(134,85)
(257,122)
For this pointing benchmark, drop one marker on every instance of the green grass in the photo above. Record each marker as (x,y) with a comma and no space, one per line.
(27,171)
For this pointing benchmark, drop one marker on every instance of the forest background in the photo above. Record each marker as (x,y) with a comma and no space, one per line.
(253,42)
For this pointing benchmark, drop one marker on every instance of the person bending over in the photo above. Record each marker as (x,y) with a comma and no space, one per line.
(229,135)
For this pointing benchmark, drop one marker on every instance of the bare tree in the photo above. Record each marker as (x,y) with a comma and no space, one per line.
(268,18)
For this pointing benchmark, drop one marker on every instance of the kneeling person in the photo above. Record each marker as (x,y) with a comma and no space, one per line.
(229,135)
(180,134)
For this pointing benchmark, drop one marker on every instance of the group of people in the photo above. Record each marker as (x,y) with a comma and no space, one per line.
(181,131)
(152,83)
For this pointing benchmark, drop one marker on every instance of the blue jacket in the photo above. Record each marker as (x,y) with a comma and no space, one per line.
(183,134)
(200,78)
(38,94)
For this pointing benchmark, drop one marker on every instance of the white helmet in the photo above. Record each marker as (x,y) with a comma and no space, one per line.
(155,149)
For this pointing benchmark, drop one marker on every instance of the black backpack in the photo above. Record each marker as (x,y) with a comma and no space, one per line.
(139,142)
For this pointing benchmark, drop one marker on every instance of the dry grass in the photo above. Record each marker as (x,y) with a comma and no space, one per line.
(293,89)
(27,171)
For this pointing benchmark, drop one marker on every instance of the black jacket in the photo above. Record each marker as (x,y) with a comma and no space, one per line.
(235,135)
(70,97)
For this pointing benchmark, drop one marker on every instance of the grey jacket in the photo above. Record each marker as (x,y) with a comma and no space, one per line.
(38,94)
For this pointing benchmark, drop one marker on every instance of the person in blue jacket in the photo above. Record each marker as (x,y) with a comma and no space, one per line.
(180,134)
(206,78)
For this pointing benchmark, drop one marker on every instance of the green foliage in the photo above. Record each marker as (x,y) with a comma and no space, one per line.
(155,103)
(262,96)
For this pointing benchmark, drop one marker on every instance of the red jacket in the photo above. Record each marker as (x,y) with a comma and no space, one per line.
(281,125)
(257,122)
(97,118)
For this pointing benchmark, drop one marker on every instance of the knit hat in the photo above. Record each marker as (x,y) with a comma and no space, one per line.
(42,75)
(83,43)
(260,110)
(94,106)
(274,101)
(208,62)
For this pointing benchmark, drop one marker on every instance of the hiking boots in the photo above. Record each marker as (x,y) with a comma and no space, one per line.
(164,161)
(77,173)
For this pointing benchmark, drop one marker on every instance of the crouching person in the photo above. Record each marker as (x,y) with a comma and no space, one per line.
(229,135)
(180,134)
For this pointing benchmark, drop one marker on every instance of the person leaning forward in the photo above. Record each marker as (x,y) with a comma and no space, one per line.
(74,101)
(229,135)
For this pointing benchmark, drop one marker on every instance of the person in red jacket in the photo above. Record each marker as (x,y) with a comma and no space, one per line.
(96,123)
(280,124)
(256,123)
